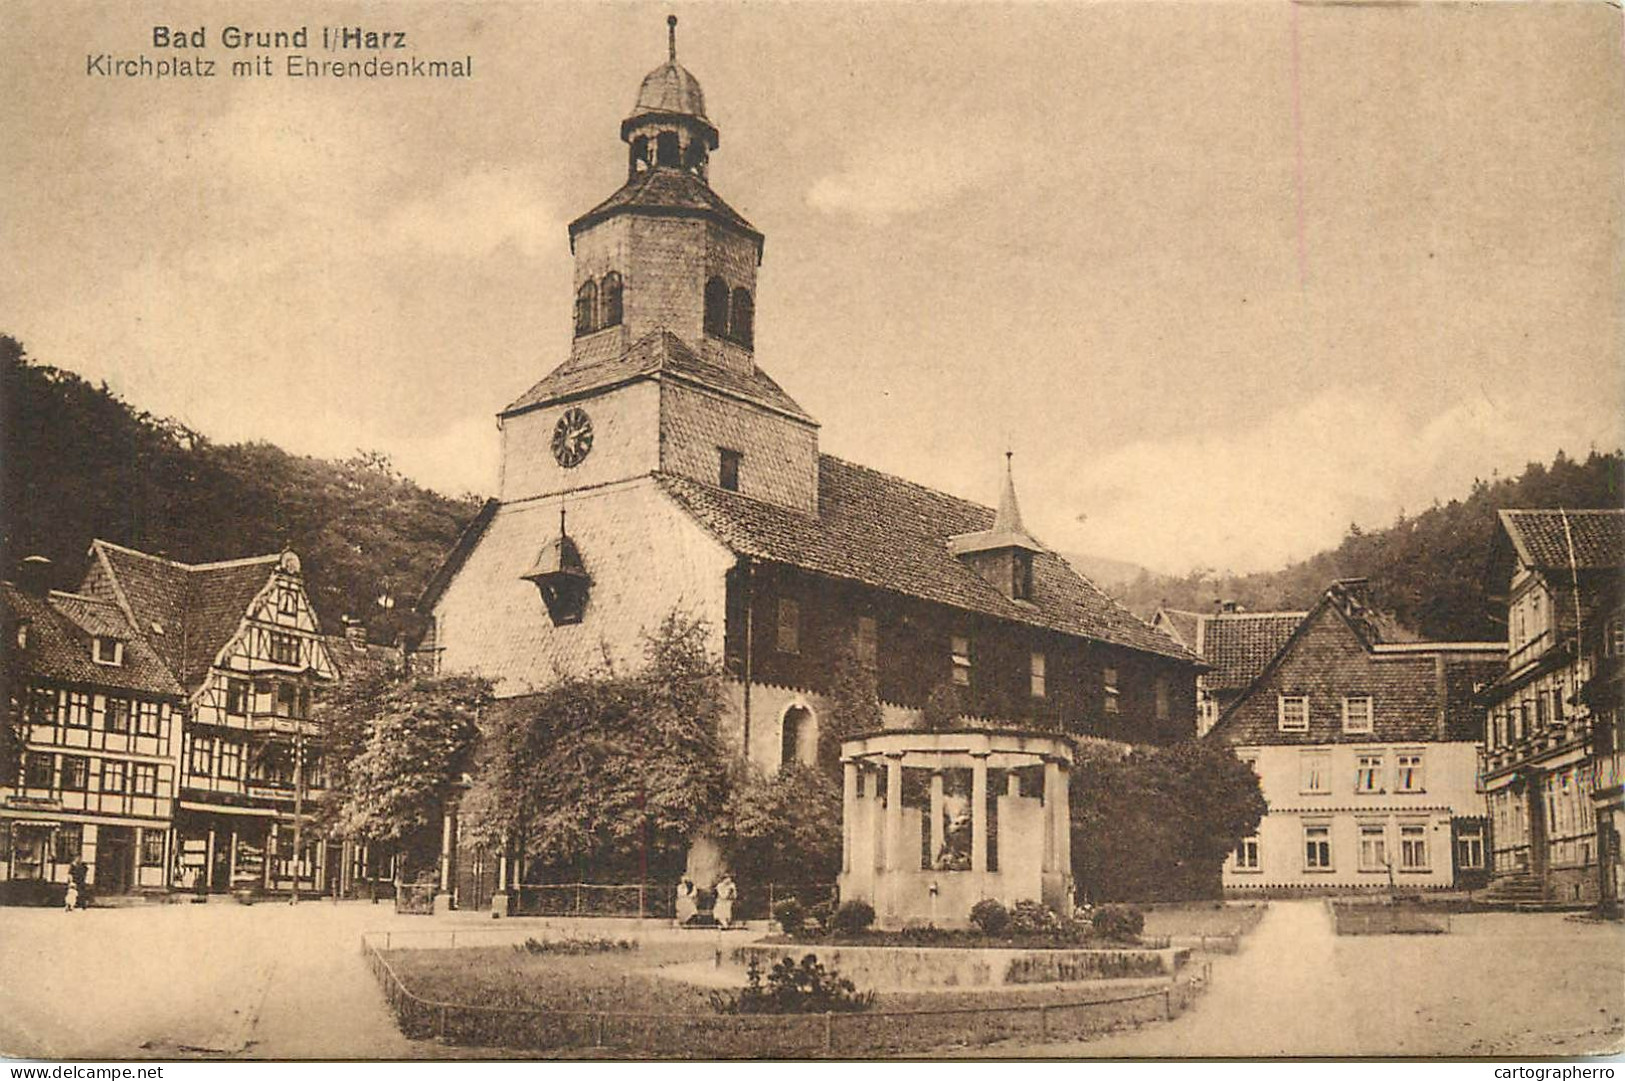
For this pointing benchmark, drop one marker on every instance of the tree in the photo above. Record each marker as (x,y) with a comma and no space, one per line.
(1156,824)
(784,828)
(617,771)
(852,705)
(398,749)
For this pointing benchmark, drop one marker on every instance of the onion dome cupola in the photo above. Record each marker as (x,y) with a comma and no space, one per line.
(1003,554)
(668,127)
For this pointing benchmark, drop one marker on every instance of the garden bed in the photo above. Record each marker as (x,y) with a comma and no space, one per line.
(1379,919)
(940,966)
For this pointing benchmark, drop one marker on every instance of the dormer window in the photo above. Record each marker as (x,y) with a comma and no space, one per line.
(1021,575)
(287,603)
(728,476)
(105,649)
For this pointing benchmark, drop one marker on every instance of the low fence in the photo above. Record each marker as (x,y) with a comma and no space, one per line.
(656,901)
(416,898)
(697,1035)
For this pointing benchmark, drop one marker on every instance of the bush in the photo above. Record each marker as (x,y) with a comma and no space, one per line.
(853,917)
(791,988)
(575,946)
(1120,923)
(990,917)
(790,915)
(1033,918)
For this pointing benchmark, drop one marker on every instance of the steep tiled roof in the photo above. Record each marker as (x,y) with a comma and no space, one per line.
(1541,537)
(1180,625)
(1239,644)
(657,354)
(60,629)
(667,192)
(360,662)
(886,532)
(199,606)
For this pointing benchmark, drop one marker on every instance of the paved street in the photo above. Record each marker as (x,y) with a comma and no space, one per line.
(276,981)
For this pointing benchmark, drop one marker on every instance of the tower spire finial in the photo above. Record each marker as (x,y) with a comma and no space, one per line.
(671,37)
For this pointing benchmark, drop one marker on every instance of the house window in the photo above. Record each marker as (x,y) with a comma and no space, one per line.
(22,634)
(1292,712)
(115,775)
(315,769)
(75,773)
(70,842)
(1373,848)
(117,715)
(1413,848)
(237,697)
(105,649)
(959,646)
(716,308)
(152,848)
(287,602)
(795,737)
(1368,773)
(37,769)
(201,761)
(1021,576)
(728,474)
(1555,711)
(868,640)
(145,779)
(611,296)
(1315,773)
(1357,715)
(1108,679)
(1408,773)
(1247,854)
(1470,847)
(292,700)
(742,320)
(231,759)
(586,305)
(42,705)
(1035,672)
(284,648)
(1613,638)
(78,715)
(1164,695)
(1317,848)
(146,719)
(789,635)
(1542,718)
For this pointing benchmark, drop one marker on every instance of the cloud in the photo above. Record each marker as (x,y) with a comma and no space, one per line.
(1257,497)
(474,214)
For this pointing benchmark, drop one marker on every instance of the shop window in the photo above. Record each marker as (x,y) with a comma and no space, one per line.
(30,851)
(70,842)
(152,848)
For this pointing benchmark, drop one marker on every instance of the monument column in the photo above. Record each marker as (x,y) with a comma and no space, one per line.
(849,810)
(894,829)
(1052,797)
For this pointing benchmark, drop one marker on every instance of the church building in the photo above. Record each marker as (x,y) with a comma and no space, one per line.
(659,467)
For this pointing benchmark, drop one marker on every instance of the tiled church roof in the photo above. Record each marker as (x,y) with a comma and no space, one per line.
(891,534)
(667,192)
(1542,541)
(659,353)
(198,606)
(60,629)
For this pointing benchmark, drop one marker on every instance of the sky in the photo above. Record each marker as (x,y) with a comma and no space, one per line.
(1225,277)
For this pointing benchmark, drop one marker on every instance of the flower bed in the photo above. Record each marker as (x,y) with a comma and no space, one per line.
(923,967)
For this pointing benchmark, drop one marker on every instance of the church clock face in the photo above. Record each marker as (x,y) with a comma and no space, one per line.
(572,438)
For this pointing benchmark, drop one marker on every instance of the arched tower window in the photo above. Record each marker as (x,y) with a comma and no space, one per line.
(742,327)
(666,152)
(694,157)
(611,295)
(638,160)
(586,307)
(716,308)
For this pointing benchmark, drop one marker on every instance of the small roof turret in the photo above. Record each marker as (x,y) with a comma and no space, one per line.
(671,92)
(1007,531)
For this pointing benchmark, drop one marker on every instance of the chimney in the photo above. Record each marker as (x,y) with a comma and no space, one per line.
(355,632)
(1357,590)
(1229,607)
(34,575)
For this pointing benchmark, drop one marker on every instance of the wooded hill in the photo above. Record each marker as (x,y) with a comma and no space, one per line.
(1428,569)
(80,463)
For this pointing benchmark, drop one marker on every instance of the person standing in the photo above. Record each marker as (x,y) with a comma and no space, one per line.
(77,874)
(726,893)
